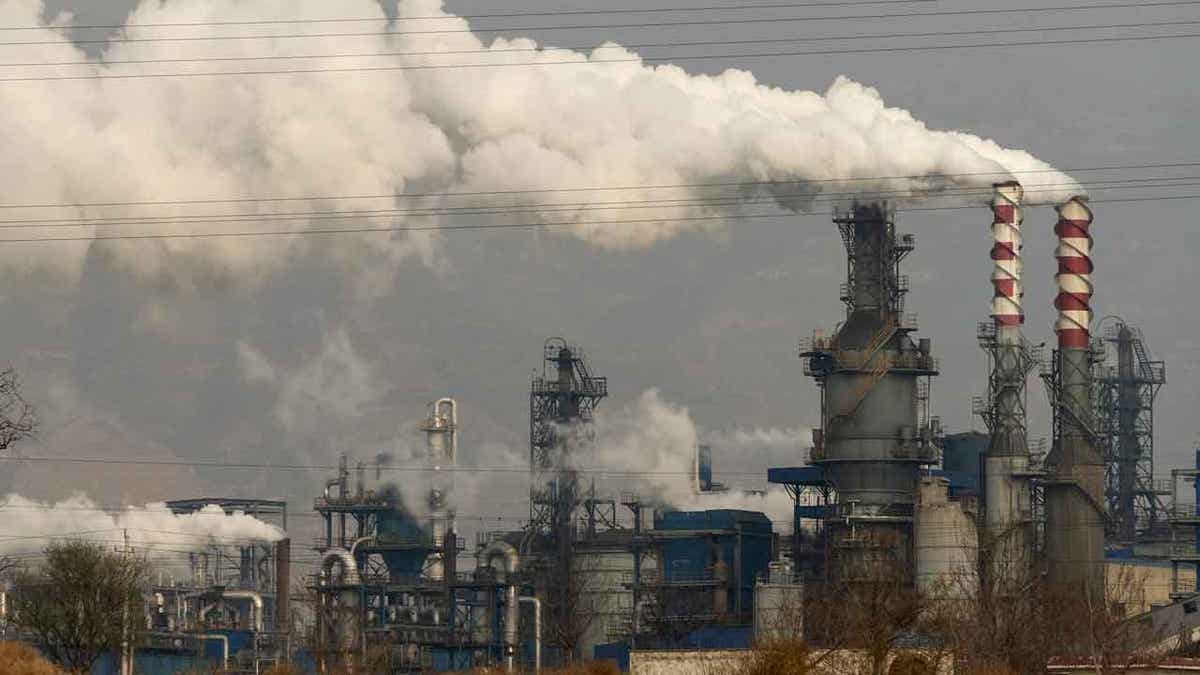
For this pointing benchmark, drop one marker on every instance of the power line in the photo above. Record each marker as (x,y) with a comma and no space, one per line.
(489,226)
(643,25)
(547,48)
(323,467)
(561,207)
(998,175)
(577,62)
(447,17)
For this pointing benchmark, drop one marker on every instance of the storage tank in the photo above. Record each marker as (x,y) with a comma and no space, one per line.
(946,543)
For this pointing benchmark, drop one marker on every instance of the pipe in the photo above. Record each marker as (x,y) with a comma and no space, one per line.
(224,646)
(537,630)
(256,605)
(350,575)
(501,550)
(504,552)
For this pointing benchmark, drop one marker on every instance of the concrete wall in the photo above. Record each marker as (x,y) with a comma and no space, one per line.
(1138,584)
(726,661)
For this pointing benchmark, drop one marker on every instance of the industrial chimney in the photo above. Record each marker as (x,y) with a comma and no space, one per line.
(1075,488)
(1006,488)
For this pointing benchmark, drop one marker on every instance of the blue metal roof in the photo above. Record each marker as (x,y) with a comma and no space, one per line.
(797,475)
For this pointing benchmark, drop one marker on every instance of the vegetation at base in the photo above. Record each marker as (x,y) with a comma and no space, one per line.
(18,658)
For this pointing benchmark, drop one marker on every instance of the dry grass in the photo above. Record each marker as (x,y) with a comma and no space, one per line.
(783,657)
(588,668)
(18,658)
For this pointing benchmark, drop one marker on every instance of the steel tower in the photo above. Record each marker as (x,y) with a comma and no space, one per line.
(876,432)
(1125,394)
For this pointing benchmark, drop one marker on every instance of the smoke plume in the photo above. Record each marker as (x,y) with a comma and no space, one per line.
(28,526)
(655,442)
(553,118)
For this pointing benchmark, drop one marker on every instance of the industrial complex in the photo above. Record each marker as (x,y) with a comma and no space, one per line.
(886,497)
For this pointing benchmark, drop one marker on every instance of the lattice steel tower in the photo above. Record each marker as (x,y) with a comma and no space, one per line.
(1125,393)
(561,402)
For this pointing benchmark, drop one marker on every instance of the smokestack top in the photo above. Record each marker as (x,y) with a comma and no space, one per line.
(1074,275)
(1006,260)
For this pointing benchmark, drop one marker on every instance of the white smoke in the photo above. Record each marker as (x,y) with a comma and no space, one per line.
(28,526)
(653,443)
(526,127)
(335,384)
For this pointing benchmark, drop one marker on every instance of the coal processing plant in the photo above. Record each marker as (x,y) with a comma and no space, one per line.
(885,498)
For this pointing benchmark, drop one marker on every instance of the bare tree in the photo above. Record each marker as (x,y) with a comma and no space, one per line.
(17,418)
(80,603)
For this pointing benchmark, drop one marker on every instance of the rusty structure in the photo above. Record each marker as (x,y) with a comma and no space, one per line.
(876,433)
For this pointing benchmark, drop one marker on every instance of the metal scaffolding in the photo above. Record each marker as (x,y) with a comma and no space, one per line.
(1124,399)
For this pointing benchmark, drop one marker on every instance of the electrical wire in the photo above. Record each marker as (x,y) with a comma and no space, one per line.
(998,175)
(444,17)
(558,207)
(579,62)
(593,47)
(449,227)
(642,25)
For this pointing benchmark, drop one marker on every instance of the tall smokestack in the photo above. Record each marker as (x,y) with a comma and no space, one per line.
(1075,493)
(283,585)
(1007,499)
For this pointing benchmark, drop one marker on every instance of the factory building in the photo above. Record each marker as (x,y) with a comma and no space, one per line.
(883,500)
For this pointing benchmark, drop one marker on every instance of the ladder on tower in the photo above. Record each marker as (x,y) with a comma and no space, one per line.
(878,370)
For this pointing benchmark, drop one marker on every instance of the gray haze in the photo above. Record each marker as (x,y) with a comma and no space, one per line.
(710,319)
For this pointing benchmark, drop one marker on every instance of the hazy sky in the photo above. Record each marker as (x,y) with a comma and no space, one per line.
(712,319)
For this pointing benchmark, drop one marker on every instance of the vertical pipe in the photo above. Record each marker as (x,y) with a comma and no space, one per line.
(511,616)
(537,631)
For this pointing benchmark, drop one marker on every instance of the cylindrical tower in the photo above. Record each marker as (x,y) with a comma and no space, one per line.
(1006,490)
(876,433)
(1075,491)
(441,444)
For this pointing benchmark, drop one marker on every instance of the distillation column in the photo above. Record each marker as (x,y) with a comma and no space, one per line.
(1006,489)
(876,433)
(1075,488)
(441,445)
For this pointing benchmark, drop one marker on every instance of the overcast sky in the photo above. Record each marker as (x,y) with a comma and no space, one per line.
(123,368)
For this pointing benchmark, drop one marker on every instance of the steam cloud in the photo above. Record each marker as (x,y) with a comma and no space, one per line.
(28,526)
(523,127)
(655,441)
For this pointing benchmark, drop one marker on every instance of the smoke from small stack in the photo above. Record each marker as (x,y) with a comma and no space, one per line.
(433,130)
(652,443)
(28,526)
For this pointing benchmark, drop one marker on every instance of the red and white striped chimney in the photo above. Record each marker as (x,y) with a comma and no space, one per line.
(1006,258)
(1074,276)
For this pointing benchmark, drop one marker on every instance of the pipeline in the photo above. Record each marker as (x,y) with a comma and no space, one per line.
(537,630)
(340,556)
(504,552)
